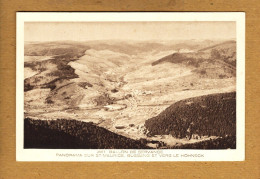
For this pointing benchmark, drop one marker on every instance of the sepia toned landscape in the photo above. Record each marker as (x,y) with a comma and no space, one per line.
(130,94)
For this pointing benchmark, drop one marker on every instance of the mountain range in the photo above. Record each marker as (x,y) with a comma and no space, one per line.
(125,86)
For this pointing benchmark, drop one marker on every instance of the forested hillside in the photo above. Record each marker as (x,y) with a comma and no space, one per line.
(210,115)
(73,134)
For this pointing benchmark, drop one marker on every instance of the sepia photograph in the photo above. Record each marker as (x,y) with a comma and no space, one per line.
(151,84)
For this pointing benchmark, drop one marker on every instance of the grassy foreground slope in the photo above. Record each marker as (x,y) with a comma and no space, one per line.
(73,134)
(210,115)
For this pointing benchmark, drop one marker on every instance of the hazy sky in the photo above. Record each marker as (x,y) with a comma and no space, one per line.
(83,31)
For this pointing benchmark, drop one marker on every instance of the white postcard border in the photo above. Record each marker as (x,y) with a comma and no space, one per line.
(237,154)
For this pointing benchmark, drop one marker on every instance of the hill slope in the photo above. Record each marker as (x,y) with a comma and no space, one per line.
(72,134)
(210,115)
(218,61)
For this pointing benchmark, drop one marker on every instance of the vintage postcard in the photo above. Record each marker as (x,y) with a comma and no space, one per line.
(130,86)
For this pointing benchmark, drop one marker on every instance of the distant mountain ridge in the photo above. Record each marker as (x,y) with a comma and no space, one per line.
(127,47)
(217,61)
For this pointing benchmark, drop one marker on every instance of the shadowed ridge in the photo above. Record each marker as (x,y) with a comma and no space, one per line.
(73,134)
(210,115)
